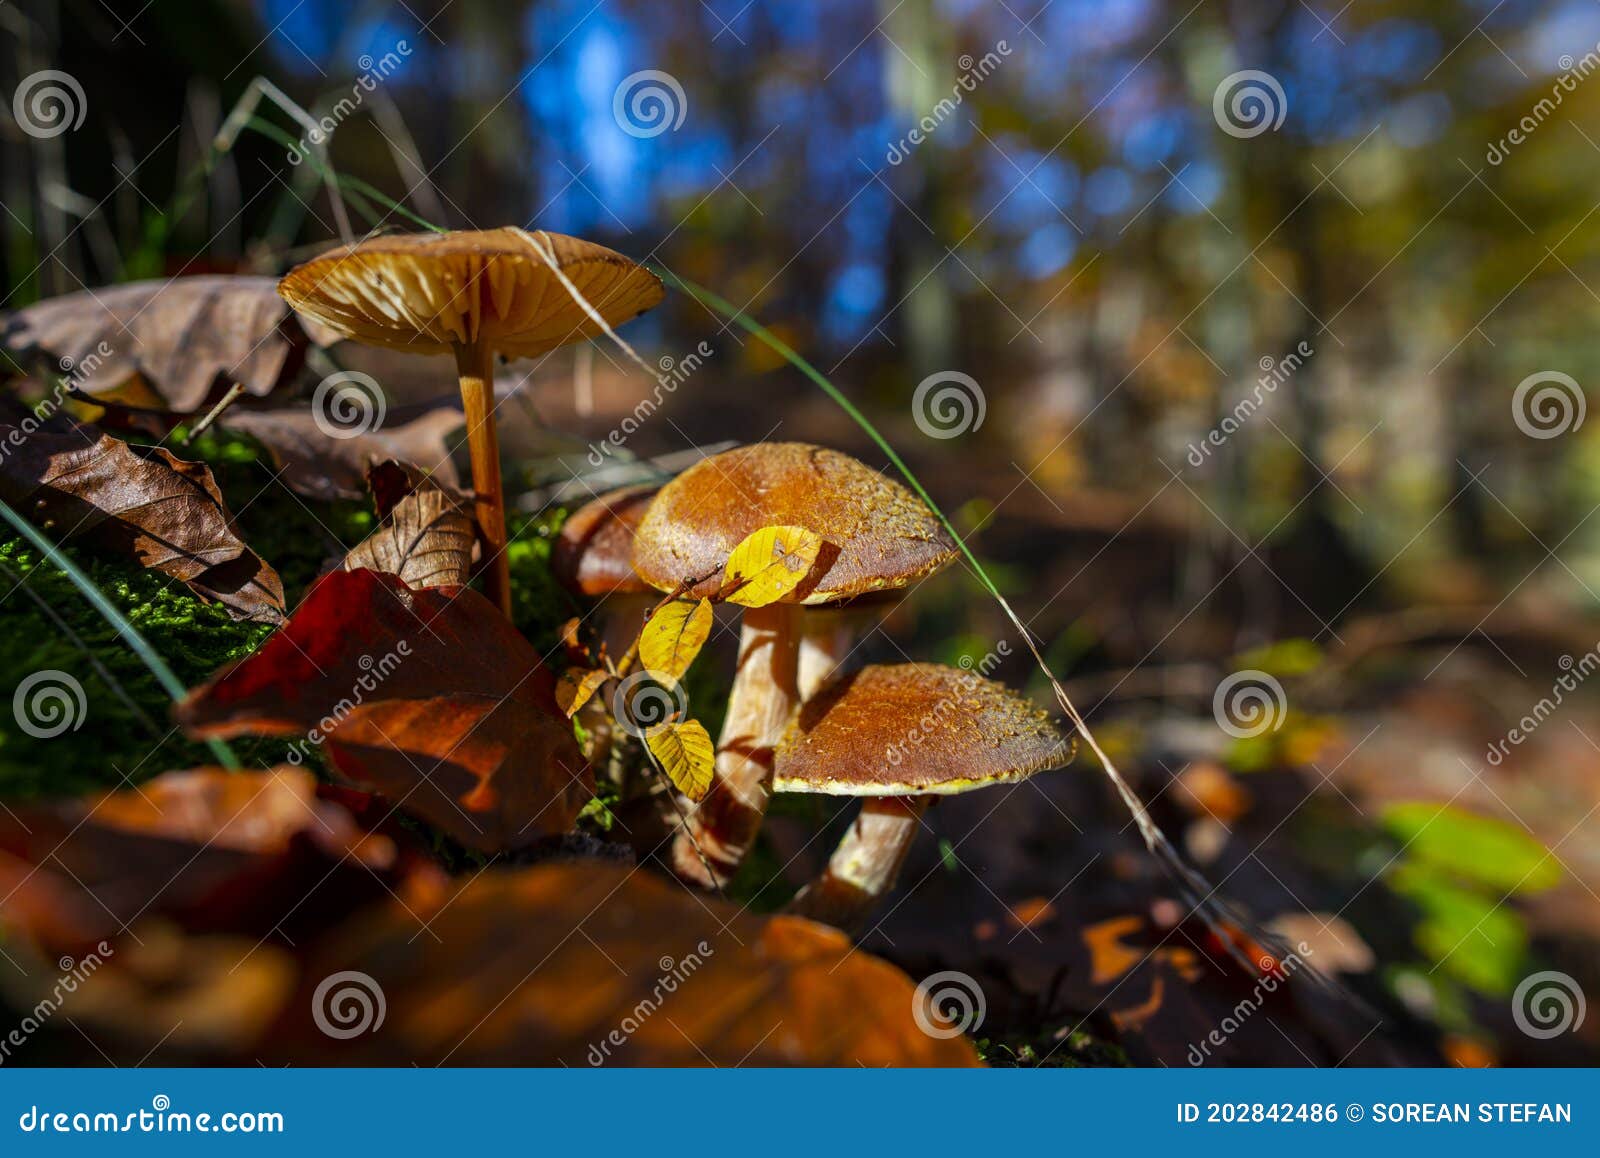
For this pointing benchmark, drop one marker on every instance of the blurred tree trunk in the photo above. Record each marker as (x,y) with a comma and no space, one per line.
(916,78)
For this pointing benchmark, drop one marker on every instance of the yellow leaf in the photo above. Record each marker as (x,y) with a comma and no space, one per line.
(578,685)
(672,638)
(769,564)
(685,751)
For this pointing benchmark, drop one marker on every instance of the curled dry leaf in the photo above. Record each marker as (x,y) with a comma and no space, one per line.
(429,697)
(686,752)
(315,463)
(173,345)
(424,536)
(672,638)
(577,687)
(539,966)
(73,480)
(769,564)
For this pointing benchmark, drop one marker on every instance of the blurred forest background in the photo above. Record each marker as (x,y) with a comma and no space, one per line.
(1083,237)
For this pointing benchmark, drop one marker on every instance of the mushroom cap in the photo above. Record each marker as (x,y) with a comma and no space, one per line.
(593,555)
(914,729)
(879,535)
(428,293)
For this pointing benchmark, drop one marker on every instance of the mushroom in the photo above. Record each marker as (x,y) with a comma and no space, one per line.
(899,735)
(593,558)
(473,294)
(878,537)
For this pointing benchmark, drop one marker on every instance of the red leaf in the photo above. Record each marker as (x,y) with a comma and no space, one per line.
(429,697)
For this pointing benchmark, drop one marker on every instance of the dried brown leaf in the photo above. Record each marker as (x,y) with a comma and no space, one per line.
(172,344)
(425,534)
(73,480)
(318,465)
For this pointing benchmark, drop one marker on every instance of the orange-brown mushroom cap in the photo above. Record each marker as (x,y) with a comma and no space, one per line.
(915,729)
(878,535)
(593,555)
(429,293)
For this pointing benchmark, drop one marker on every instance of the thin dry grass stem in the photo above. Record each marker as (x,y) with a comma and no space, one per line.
(245,107)
(211,415)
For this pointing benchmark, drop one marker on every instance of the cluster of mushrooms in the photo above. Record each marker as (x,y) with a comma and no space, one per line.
(798,719)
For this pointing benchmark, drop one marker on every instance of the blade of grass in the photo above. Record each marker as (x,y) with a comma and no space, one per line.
(359,190)
(141,646)
(100,669)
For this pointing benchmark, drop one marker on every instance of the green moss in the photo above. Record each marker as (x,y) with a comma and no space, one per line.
(124,728)
(1080,1050)
(597,819)
(539,605)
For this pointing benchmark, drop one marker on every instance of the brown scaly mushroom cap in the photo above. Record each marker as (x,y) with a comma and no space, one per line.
(428,293)
(593,555)
(914,730)
(884,536)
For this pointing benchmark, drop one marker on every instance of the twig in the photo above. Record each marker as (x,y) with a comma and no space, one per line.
(226,401)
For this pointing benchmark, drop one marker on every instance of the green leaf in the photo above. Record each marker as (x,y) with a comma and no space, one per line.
(1284,657)
(1472,937)
(1478,849)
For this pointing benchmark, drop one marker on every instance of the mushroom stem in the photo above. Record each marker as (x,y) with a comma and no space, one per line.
(475,367)
(864,867)
(825,644)
(725,823)
(619,619)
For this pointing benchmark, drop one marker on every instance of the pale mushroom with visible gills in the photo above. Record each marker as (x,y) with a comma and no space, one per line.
(900,735)
(877,536)
(473,294)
